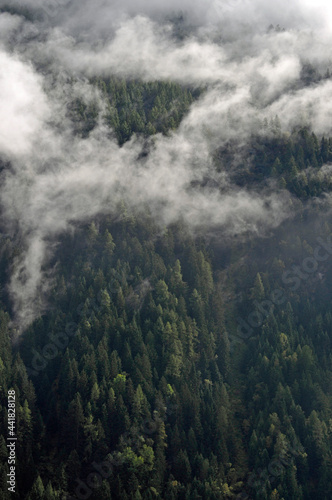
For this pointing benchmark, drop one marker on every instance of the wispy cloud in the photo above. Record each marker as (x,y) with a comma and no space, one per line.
(57,178)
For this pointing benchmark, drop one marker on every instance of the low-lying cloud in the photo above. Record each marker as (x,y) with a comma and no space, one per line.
(57,178)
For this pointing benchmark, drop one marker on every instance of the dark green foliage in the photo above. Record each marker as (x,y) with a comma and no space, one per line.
(151,383)
(135,107)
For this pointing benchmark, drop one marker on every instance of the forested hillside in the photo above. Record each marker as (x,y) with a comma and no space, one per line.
(162,364)
(136,107)
(165,250)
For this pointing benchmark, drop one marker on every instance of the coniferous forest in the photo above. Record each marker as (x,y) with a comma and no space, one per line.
(156,353)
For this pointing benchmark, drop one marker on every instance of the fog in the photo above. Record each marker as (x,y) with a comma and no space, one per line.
(48,52)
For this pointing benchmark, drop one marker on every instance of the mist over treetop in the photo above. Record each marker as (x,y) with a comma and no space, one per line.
(136,101)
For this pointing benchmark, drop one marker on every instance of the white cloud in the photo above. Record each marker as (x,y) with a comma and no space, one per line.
(57,178)
(23,106)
